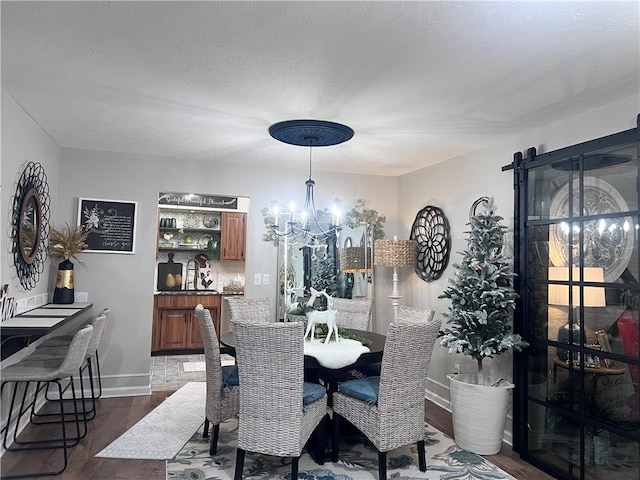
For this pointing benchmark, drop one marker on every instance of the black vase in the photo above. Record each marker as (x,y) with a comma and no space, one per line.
(64,283)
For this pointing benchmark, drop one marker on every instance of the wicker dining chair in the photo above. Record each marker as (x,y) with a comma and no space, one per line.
(278,410)
(253,309)
(223,394)
(405,314)
(415,314)
(353,313)
(389,409)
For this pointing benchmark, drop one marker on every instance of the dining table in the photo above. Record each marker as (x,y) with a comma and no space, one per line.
(314,370)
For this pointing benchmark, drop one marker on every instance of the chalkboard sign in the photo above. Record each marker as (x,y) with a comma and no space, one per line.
(197,200)
(111,225)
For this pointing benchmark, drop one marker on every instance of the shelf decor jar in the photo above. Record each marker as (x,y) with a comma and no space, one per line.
(66,245)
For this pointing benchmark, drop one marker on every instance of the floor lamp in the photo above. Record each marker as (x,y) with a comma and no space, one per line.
(395,253)
(356,260)
(559,295)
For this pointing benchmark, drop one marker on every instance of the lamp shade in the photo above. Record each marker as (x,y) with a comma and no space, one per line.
(395,253)
(355,259)
(592,296)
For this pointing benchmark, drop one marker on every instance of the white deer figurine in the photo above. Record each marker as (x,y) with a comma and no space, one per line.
(327,317)
(291,296)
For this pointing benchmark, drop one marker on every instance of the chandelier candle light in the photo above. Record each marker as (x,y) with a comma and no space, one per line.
(395,253)
(310,228)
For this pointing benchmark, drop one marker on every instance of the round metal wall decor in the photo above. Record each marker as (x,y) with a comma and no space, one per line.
(608,243)
(30,224)
(431,230)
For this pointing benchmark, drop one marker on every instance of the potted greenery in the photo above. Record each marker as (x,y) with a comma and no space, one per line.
(65,245)
(479,325)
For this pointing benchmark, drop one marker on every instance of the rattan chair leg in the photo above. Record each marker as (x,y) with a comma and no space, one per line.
(294,468)
(239,464)
(213,447)
(382,465)
(205,432)
(422,460)
(320,436)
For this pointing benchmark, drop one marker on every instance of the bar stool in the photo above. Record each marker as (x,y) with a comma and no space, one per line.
(55,349)
(47,372)
(52,346)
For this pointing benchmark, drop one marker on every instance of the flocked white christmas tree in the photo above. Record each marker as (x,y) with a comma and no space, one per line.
(482,295)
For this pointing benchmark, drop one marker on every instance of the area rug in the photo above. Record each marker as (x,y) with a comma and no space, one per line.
(358,461)
(163,432)
(194,366)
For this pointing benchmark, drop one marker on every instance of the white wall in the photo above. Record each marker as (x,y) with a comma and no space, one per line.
(125,283)
(455,185)
(23,141)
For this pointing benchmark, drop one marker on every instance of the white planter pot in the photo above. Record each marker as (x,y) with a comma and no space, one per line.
(479,413)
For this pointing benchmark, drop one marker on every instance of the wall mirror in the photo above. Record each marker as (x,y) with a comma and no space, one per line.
(341,263)
(30,224)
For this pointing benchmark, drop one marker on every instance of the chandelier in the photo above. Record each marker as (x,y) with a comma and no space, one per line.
(308,227)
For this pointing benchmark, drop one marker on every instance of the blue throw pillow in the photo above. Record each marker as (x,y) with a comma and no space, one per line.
(312,392)
(365,389)
(230,376)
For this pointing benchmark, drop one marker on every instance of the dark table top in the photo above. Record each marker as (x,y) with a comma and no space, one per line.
(19,331)
(376,348)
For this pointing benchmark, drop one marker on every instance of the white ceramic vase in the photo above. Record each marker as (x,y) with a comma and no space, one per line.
(479,412)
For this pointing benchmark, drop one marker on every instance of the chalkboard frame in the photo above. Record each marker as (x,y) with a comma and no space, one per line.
(96,241)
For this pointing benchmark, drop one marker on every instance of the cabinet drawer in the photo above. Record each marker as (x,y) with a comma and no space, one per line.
(187,301)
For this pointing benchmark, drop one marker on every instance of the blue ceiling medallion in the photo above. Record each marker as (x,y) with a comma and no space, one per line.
(310,133)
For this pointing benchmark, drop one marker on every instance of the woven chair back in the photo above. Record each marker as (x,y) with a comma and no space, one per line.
(76,353)
(405,364)
(252,310)
(270,361)
(353,313)
(211,348)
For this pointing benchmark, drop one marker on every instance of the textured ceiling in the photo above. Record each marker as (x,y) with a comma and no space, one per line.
(419,82)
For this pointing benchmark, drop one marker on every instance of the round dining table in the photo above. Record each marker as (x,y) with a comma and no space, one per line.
(314,371)
(374,355)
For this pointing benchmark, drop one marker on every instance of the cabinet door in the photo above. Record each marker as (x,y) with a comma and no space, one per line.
(173,328)
(194,338)
(234,233)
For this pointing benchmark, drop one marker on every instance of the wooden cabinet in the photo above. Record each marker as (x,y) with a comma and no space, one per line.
(234,235)
(175,326)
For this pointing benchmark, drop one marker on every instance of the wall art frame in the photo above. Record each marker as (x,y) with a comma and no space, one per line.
(111,225)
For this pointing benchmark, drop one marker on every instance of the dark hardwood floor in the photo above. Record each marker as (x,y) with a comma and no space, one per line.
(116,415)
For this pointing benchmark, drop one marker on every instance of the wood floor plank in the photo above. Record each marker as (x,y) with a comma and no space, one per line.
(117,415)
